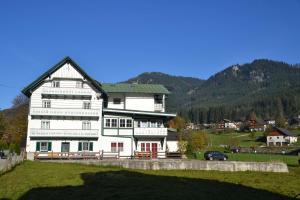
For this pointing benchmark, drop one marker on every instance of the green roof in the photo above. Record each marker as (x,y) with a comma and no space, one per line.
(134,88)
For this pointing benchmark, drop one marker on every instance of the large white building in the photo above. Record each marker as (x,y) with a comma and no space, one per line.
(71,114)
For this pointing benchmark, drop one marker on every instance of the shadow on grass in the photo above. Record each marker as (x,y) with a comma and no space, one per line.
(132,185)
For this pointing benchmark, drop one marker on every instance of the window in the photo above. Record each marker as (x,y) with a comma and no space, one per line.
(120,146)
(55,84)
(143,147)
(122,123)
(79,84)
(43,146)
(86,125)
(129,123)
(117,146)
(85,146)
(111,123)
(158,99)
(46,104)
(114,123)
(117,100)
(113,147)
(107,122)
(86,105)
(45,124)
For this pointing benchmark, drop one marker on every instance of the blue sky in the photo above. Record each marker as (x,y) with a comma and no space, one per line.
(116,40)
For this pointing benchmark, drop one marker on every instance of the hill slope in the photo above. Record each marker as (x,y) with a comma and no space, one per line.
(180,87)
(265,86)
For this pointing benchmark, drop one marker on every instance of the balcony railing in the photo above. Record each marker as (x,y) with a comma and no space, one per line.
(35,132)
(65,112)
(158,107)
(66,91)
(151,131)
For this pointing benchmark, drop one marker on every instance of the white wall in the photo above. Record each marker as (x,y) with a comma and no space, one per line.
(172,146)
(68,77)
(110,103)
(143,102)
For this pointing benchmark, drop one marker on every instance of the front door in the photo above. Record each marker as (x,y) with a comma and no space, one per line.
(154,150)
(65,146)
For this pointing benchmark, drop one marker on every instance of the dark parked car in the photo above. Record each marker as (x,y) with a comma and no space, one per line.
(2,155)
(215,155)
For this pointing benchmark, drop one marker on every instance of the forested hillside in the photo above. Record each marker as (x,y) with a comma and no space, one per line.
(268,88)
(181,87)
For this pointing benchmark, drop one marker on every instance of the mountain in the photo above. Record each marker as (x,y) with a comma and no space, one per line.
(180,87)
(264,86)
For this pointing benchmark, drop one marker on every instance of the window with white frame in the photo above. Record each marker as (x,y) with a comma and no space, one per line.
(56,84)
(46,104)
(111,122)
(114,123)
(45,125)
(125,123)
(43,146)
(107,123)
(86,125)
(128,123)
(117,146)
(86,105)
(79,84)
(85,146)
(122,123)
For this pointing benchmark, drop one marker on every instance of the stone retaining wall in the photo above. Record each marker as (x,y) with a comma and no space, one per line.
(10,162)
(169,164)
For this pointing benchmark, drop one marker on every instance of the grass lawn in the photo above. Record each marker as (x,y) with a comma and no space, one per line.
(38,180)
(289,160)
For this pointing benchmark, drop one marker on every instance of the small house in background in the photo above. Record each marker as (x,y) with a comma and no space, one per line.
(257,125)
(280,137)
(295,121)
(172,140)
(227,124)
(270,122)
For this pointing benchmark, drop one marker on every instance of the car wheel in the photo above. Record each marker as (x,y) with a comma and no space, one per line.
(210,158)
(224,158)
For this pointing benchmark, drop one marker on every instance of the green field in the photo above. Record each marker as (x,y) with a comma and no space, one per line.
(243,139)
(37,180)
(289,160)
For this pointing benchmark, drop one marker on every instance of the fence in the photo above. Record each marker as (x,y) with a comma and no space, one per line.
(10,162)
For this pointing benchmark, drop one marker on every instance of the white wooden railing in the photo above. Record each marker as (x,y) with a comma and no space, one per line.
(66,91)
(64,112)
(151,131)
(35,132)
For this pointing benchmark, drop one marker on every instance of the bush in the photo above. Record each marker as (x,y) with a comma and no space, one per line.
(14,148)
(197,142)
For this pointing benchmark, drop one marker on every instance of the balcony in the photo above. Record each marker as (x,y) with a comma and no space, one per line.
(150,132)
(67,91)
(65,112)
(35,132)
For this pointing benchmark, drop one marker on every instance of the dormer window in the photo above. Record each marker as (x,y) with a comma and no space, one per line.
(158,99)
(56,84)
(117,100)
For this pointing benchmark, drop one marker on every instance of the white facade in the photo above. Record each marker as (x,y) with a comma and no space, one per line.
(69,112)
(281,140)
